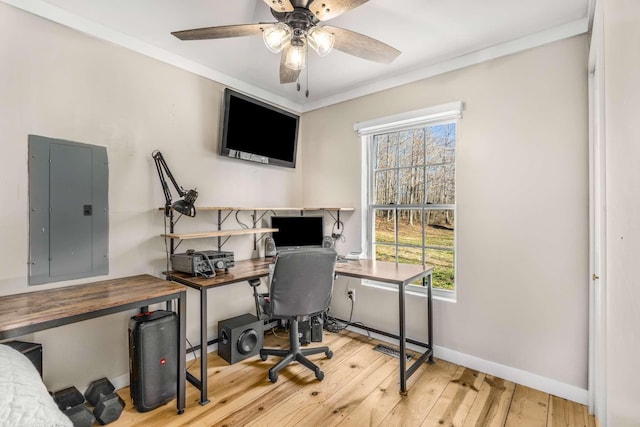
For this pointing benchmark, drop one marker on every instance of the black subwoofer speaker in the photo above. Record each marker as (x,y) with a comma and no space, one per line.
(239,337)
(153,341)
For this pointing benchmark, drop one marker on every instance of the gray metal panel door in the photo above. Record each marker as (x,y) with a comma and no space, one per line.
(38,209)
(100,191)
(71,244)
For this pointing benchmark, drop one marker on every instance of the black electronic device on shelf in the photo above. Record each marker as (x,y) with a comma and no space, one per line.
(202,263)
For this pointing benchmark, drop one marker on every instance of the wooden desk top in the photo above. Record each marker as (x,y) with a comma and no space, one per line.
(38,310)
(247,269)
(382,271)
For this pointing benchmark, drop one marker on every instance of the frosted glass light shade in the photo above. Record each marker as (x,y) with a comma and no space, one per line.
(276,36)
(320,40)
(296,56)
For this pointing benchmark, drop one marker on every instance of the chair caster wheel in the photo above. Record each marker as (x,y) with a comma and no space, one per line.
(329,354)
(273,377)
(319,374)
(263,357)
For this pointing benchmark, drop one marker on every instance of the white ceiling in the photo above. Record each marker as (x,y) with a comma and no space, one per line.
(433,35)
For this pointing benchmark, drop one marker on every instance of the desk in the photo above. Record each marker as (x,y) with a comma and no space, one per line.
(30,312)
(399,274)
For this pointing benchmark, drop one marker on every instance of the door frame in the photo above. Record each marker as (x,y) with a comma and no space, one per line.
(597,395)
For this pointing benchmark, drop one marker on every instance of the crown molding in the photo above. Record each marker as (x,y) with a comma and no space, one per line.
(561,32)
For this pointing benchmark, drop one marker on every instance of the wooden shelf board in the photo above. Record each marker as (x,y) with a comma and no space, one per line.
(219,233)
(231,208)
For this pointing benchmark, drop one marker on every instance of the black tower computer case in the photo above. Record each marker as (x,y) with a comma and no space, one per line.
(153,365)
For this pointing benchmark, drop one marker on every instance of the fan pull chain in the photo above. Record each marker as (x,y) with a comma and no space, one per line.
(306,72)
(306,93)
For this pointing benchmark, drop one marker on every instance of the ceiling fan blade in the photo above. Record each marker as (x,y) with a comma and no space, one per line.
(287,75)
(362,46)
(280,5)
(327,9)
(221,32)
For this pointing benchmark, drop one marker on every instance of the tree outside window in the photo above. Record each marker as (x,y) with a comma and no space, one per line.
(412,198)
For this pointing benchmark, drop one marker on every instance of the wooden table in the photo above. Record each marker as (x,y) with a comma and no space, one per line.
(241,272)
(30,312)
(398,274)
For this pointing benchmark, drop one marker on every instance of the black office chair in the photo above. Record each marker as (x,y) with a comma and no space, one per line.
(300,288)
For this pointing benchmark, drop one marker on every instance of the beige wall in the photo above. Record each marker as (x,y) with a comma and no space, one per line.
(522,207)
(60,83)
(622,141)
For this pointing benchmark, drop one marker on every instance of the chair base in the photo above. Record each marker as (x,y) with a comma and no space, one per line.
(294,354)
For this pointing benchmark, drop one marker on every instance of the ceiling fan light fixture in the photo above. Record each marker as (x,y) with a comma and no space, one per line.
(276,36)
(296,55)
(320,40)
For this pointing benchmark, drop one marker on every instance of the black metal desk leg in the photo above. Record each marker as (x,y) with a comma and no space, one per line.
(182,337)
(403,344)
(203,347)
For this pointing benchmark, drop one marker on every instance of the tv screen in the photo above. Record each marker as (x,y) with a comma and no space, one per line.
(297,231)
(259,132)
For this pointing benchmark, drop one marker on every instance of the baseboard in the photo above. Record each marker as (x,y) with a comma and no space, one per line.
(538,382)
(120,382)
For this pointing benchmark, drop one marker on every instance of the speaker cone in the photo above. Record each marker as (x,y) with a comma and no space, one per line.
(247,341)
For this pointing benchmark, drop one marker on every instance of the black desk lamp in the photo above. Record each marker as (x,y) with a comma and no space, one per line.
(183,206)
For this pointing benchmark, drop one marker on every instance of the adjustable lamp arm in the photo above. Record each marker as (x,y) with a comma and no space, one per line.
(185,206)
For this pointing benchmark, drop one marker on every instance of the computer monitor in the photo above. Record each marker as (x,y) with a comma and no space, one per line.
(297,231)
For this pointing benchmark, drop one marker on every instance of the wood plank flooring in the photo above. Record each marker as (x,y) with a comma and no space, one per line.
(360,388)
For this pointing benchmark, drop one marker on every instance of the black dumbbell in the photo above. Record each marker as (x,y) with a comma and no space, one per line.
(67,398)
(107,404)
(80,415)
(71,403)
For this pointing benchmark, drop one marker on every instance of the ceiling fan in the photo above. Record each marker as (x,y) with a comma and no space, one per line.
(296,28)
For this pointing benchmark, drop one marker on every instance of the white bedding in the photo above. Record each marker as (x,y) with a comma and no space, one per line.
(24,400)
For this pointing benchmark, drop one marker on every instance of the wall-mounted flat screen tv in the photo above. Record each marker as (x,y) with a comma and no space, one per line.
(256,131)
(297,231)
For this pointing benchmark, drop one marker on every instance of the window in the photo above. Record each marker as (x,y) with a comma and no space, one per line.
(410,190)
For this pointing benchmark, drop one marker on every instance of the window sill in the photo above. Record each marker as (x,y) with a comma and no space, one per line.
(438,294)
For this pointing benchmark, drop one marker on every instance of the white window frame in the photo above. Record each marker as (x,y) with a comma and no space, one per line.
(439,114)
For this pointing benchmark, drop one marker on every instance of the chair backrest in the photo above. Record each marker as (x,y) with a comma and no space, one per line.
(302,282)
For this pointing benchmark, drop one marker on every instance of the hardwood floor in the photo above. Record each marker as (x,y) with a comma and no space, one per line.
(360,388)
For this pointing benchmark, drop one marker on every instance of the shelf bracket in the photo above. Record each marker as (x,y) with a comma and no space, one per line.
(220,245)
(222,220)
(255,220)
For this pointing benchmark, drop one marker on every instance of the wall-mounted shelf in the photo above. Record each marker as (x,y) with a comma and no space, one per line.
(219,233)
(228,208)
